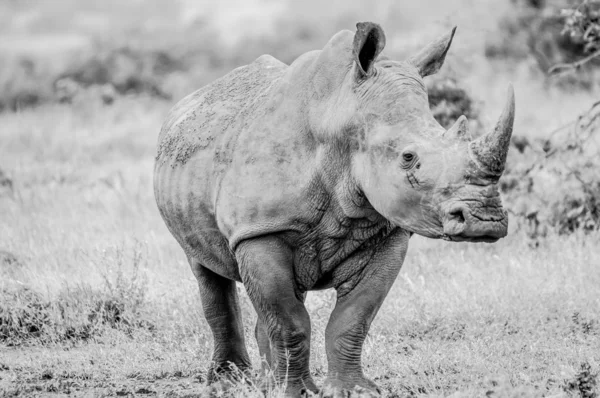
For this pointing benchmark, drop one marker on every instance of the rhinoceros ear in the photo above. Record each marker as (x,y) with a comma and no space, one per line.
(430,59)
(369,41)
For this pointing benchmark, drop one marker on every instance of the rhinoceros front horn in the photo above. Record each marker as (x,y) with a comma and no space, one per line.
(490,150)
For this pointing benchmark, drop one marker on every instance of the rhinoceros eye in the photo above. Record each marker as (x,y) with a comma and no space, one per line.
(408,159)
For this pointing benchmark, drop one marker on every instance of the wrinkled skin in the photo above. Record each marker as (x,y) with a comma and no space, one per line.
(313,176)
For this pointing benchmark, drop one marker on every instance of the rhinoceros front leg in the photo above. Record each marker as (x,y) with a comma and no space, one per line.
(357,305)
(264,345)
(266,268)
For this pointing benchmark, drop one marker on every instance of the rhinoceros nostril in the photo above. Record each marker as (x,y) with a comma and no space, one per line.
(458,216)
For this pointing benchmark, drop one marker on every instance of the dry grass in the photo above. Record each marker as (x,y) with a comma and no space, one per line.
(86,259)
(508,317)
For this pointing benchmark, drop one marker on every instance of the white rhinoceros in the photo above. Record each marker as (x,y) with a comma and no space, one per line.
(314,176)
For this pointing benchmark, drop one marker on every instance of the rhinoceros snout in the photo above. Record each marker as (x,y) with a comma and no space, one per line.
(461,223)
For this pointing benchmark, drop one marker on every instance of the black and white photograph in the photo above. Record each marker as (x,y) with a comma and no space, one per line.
(295,199)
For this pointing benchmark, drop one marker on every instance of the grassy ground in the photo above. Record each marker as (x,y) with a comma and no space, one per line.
(96,298)
(116,309)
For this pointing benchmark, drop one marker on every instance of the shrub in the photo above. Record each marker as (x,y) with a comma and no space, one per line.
(448,101)
(555,184)
(551,33)
(125,70)
(23,83)
(23,315)
(6,184)
(584,383)
(79,313)
(582,24)
(75,313)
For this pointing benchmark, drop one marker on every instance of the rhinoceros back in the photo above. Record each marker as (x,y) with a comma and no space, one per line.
(195,148)
(203,118)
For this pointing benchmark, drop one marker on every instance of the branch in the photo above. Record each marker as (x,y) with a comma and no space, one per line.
(559,68)
(593,113)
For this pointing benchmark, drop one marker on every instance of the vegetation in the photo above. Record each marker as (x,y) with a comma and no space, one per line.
(80,312)
(96,297)
(554,186)
(582,24)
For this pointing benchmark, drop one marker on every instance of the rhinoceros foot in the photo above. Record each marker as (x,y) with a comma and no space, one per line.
(227,375)
(364,388)
(305,388)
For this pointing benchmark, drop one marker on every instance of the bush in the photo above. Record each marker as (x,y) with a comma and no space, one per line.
(555,185)
(105,74)
(75,313)
(582,24)
(448,101)
(23,315)
(551,33)
(583,383)
(23,83)
(125,70)
(6,184)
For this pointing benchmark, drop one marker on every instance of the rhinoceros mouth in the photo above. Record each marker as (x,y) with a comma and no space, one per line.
(464,238)
(462,223)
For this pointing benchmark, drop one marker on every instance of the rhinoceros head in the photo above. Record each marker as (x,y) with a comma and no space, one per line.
(431,181)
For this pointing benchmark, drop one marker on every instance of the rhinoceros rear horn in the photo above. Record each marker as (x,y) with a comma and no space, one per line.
(459,130)
(369,41)
(431,58)
(490,150)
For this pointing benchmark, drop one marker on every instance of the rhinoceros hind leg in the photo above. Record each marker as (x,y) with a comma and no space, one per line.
(222,312)
(266,268)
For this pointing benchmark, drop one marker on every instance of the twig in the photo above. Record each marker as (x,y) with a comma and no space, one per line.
(577,123)
(559,68)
